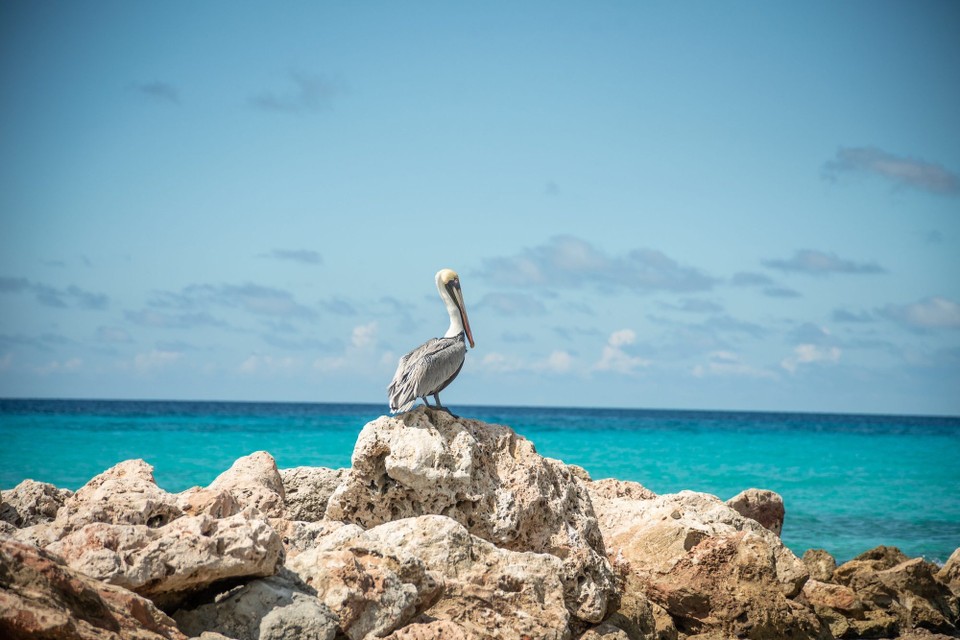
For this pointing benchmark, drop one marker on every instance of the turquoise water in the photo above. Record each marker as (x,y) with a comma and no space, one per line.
(849,482)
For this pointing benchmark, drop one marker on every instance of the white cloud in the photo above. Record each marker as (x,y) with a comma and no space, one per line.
(726,363)
(810,354)
(269,365)
(155,360)
(615,358)
(902,171)
(364,335)
(67,366)
(558,361)
(569,262)
(819,263)
(927,314)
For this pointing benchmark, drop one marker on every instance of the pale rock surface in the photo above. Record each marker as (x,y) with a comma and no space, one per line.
(372,587)
(273,608)
(907,588)
(187,554)
(949,573)
(490,593)
(762,505)
(200,501)
(490,480)
(433,630)
(31,503)
(254,481)
(308,489)
(39,598)
(298,536)
(820,564)
(711,568)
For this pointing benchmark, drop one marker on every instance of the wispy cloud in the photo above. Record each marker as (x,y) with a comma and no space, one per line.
(512,304)
(808,354)
(819,263)
(43,342)
(694,305)
(176,320)
(559,361)
(162,92)
(901,171)
(339,306)
(308,93)
(845,315)
(569,262)
(303,256)
(252,298)
(929,314)
(616,355)
(71,297)
(727,364)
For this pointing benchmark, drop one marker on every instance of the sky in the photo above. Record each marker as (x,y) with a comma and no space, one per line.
(693,205)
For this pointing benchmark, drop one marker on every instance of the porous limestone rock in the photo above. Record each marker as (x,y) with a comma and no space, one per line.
(490,593)
(299,536)
(432,630)
(490,480)
(949,573)
(274,608)
(204,501)
(711,568)
(31,503)
(762,505)
(39,598)
(255,482)
(907,588)
(308,489)
(189,553)
(820,564)
(372,587)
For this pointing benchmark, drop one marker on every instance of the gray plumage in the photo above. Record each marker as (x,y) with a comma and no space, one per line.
(426,371)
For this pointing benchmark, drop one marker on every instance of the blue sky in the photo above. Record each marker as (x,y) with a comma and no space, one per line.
(666,205)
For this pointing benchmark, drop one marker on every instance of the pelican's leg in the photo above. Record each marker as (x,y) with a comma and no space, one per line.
(428,405)
(436,397)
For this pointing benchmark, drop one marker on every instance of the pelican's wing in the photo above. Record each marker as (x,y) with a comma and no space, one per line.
(401,392)
(425,370)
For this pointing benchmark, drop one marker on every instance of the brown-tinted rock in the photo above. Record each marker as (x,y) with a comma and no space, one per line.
(762,505)
(187,554)
(39,598)
(490,593)
(835,596)
(433,630)
(820,564)
(372,586)
(31,503)
(490,480)
(949,573)
(712,569)
(890,583)
(275,608)
(214,503)
(308,489)
(254,481)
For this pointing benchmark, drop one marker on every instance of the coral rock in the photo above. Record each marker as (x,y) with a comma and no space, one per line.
(766,507)
(39,598)
(820,564)
(31,503)
(490,480)
(255,482)
(187,554)
(308,489)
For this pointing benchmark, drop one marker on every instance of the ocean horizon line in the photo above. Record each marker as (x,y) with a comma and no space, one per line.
(485,406)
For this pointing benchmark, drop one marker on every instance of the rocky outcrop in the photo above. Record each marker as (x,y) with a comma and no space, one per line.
(443,528)
(308,489)
(31,503)
(488,479)
(40,598)
(766,507)
(186,555)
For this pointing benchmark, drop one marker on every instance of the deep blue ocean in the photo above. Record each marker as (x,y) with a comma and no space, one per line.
(849,482)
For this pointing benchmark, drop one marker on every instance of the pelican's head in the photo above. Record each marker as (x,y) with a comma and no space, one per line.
(448,284)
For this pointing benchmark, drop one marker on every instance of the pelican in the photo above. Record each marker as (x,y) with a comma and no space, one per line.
(428,369)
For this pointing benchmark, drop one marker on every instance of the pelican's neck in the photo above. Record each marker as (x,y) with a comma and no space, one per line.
(456,322)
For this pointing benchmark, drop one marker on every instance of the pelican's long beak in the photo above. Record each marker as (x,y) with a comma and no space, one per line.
(458,299)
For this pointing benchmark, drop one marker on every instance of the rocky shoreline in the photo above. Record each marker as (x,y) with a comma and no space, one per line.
(443,528)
